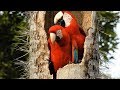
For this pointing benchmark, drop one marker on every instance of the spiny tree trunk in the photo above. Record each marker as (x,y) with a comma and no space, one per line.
(39,53)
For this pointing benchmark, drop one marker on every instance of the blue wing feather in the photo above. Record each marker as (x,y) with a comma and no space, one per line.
(75,55)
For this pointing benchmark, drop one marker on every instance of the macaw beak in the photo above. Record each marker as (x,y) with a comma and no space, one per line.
(52,37)
(58,16)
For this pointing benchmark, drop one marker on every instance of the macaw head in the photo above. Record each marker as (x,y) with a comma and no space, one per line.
(55,33)
(63,18)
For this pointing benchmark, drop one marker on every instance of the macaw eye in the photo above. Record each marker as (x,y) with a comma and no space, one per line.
(59,33)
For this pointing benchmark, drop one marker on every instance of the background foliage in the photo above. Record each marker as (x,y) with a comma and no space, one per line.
(12,41)
(107,21)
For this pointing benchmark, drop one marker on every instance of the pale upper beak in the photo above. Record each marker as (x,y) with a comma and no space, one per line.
(58,16)
(52,37)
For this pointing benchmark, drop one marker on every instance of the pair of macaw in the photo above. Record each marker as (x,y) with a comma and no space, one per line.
(66,42)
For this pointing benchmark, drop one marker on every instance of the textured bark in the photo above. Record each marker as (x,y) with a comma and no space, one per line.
(89,67)
(87,20)
(39,52)
(72,71)
(92,48)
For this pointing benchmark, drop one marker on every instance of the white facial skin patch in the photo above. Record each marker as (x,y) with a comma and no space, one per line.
(67,18)
(59,33)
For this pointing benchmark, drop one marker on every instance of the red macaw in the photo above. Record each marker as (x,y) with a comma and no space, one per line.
(66,19)
(60,48)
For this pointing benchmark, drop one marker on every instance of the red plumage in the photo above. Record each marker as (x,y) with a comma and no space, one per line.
(76,33)
(60,50)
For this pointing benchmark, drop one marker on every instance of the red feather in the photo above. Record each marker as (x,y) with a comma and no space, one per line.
(77,34)
(60,52)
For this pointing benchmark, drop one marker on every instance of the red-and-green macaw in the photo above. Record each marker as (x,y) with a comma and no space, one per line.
(60,48)
(77,35)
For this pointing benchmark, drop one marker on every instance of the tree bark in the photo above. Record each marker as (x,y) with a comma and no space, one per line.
(39,52)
